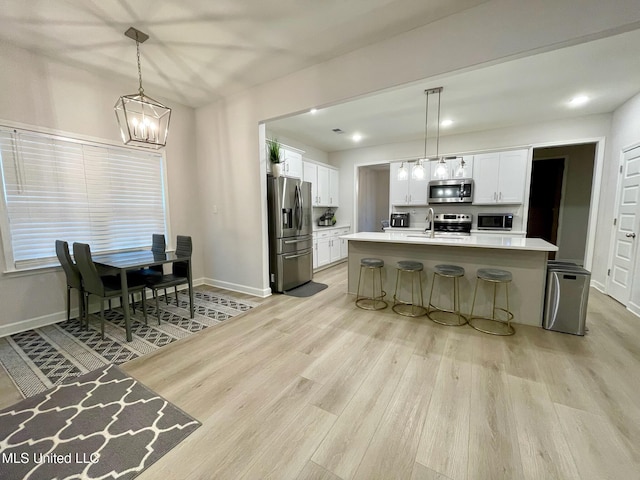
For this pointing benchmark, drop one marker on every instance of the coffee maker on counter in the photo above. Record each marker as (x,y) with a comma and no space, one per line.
(327,219)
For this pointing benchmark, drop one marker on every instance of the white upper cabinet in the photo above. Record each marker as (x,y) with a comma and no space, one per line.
(500,177)
(292,162)
(408,191)
(325,184)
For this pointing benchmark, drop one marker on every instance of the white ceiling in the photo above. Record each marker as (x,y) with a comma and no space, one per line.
(523,91)
(200,49)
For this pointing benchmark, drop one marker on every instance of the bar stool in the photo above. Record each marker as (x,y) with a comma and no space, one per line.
(493,325)
(373,302)
(451,317)
(401,307)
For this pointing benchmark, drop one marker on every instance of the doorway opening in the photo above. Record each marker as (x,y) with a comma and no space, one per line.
(373,197)
(560,198)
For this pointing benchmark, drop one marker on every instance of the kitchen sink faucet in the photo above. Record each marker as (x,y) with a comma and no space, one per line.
(429,219)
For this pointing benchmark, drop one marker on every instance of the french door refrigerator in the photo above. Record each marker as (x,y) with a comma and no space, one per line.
(290,233)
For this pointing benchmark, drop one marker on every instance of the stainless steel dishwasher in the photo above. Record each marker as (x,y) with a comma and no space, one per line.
(566,298)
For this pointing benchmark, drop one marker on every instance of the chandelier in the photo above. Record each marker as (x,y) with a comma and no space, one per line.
(143,121)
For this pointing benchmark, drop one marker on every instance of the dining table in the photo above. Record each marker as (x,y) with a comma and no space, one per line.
(123,262)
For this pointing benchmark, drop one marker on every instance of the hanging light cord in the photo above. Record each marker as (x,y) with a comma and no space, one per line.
(140,89)
(426,123)
(438,130)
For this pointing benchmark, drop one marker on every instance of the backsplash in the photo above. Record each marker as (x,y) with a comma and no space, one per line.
(418,215)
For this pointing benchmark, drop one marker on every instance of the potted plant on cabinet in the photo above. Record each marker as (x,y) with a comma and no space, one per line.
(273,151)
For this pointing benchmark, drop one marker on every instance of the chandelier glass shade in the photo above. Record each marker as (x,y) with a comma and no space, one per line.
(143,121)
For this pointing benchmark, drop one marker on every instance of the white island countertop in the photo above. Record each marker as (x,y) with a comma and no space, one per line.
(479,241)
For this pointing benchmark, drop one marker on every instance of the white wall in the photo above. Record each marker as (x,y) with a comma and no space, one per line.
(42,93)
(373,200)
(625,132)
(228,144)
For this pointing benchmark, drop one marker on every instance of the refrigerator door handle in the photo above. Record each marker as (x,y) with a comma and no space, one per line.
(288,242)
(298,207)
(289,257)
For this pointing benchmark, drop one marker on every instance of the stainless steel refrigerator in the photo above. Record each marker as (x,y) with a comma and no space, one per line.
(290,233)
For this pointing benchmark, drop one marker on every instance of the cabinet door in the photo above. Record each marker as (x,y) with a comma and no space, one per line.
(292,163)
(334,188)
(398,189)
(511,179)
(323,186)
(324,251)
(334,250)
(485,178)
(310,174)
(419,189)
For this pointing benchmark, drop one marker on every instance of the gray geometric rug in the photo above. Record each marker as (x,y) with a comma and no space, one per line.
(44,357)
(104,424)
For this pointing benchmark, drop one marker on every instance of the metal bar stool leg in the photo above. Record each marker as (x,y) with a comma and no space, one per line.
(376,300)
(401,307)
(447,316)
(493,325)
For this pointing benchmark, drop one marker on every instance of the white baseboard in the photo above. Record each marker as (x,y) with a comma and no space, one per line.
(234,287)
(598,286)
(633,308)
(44,320)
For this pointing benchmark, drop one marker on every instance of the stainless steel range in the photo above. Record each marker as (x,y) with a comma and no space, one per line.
(453,224)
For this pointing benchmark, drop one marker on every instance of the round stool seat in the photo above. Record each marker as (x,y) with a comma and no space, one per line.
(494,275)
(410,265)
(371,262)
(449,270)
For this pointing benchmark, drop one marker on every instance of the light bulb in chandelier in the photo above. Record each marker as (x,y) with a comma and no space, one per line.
(402,172)
(417,172)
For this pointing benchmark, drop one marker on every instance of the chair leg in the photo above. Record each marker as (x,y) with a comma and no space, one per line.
(144,308)
(102,317)
(133,303)
(175,289)
(157,308)
(110,303)
(166,297)
(191,302)
(68,303)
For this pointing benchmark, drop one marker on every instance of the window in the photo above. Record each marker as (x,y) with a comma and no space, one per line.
(61,188)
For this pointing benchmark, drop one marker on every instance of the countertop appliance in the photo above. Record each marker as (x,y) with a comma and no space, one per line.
(495,221)
(399,219)
(452,224)
(327,219)
(454,190)
(566,298)
(290,233)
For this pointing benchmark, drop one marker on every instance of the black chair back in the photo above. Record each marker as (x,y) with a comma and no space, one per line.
(158,246)
(184,248)
(90,276)
(70,269)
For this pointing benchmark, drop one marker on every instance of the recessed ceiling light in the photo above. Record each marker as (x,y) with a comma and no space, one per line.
(578,101)
(447,123)
(356,137)
(313,110)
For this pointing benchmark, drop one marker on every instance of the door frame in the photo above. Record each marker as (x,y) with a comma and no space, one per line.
(616,211)
(596,184)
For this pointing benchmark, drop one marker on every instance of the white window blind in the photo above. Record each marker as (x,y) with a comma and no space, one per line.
(58,188)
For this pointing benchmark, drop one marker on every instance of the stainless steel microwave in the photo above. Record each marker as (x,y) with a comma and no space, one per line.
(458,190)
(495,221)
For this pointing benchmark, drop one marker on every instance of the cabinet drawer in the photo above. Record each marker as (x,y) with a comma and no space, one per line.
(341,231)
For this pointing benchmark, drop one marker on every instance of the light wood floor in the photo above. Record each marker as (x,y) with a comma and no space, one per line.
(318,389)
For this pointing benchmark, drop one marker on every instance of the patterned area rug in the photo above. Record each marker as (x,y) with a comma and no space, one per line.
(42,358)
(103,424)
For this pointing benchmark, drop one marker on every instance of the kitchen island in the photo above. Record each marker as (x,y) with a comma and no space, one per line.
(525,258)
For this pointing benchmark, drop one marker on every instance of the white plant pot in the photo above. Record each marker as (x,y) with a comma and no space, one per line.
(276,169)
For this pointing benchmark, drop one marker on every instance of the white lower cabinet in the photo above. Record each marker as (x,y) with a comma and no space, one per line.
(328,247)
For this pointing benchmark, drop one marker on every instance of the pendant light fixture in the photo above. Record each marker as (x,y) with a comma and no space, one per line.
(402,174)
(143,121)
(461,170)
(441,171)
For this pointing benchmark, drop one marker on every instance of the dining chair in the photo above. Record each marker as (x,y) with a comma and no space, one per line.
(179,275)
(103,287)
(74,280)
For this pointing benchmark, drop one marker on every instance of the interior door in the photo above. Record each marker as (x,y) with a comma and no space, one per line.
(626,229)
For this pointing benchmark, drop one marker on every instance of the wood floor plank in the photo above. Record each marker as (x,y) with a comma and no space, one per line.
(444,445)
(392,451)
(544,451)
(286,455)
(346,443)
(595,445)
(313,471)
(420,472)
